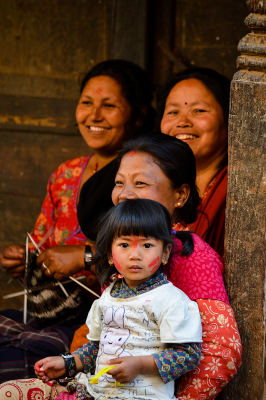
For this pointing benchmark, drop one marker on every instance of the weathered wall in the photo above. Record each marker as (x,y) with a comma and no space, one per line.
(197,33)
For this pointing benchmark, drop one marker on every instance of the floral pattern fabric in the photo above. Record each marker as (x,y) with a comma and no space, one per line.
(58,217)
(34,389)
(220,353)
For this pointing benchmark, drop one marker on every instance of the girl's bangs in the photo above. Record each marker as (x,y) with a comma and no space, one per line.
(136,227)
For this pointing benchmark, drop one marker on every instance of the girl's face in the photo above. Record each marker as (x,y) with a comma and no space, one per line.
(139,177)
(137,258)
(102,114)
(193,115)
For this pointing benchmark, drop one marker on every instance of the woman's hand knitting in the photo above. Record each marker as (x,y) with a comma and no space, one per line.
(62,261)
(12,260)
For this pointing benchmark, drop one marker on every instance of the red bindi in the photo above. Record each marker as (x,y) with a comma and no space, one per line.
(185,103)
(132,153)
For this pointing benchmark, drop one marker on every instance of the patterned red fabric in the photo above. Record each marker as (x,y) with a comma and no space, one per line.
(200,274)
(210,222)
(220,353)
(59,213)
(34,389)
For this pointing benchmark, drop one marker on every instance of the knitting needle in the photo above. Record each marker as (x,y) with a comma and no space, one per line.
(70,277)
(9,296)
(85,287)
(44,266)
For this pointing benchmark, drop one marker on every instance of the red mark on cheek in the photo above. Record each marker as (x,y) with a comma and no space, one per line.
(132,153)
(116,263)
(154,263)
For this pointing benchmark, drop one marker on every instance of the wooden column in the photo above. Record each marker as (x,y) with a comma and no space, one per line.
(245,251)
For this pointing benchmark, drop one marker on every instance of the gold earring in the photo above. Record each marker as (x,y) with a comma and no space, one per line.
(179,204)
(164,262)
(110,263)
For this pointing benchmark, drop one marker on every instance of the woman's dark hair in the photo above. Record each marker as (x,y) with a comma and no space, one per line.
(136,88)
(138,217)
(218,85)
(176,160)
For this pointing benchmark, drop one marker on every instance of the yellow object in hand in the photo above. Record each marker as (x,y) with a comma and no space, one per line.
(103,371)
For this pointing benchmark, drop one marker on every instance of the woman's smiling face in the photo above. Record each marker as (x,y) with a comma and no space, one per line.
(140,177)
(102,114)
(193,115)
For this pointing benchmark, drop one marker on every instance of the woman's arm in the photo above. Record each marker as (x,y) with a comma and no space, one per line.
(220,353)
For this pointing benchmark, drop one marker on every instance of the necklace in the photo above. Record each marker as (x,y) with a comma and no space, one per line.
(95,168)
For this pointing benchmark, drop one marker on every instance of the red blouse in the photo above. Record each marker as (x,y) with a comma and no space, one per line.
(58,217)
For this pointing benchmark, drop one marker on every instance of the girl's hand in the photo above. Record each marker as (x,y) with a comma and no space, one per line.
(128,368)
(50,368)
(11,260)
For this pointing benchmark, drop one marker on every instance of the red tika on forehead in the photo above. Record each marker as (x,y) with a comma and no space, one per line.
(132,153)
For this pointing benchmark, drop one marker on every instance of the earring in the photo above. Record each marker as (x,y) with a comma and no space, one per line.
(164,262)
(179,204)
(110,263)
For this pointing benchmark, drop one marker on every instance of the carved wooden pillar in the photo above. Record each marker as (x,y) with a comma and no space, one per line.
(245,251)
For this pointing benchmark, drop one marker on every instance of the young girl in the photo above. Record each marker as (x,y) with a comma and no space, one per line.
(143,328)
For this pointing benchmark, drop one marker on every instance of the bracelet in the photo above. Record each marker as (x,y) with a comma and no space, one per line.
(87,257)
(71,368)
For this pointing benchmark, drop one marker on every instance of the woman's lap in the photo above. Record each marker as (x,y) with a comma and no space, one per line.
(22,345)
(16,364)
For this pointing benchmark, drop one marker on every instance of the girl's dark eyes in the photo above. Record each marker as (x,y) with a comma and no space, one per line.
(124,245)
(147,245)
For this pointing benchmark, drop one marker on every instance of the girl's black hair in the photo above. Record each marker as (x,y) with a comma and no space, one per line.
(138,217)
(219,86)
(176,160)
(136,88)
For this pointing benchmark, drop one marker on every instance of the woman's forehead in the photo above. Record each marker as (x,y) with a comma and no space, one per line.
(137,161)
